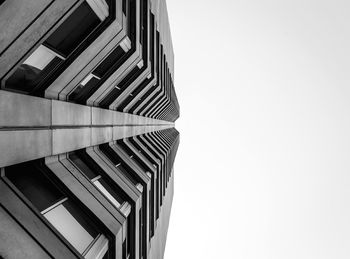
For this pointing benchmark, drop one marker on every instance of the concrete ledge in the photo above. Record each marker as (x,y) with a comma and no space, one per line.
(20,111)
(24,145)
(102,116)
(120,132)
(64,113)
(33,127)
(66,140)
(119,118)
(101,135)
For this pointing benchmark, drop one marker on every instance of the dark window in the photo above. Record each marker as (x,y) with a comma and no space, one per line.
(119,164)
(92,170)
(99,181)
(158,182)
(73,30)
(82,166)
(57,207)
(135,179)
(132,21)
(78,94)
(113,61)
(145,168)
(138,69)
(35,186)
(112,58)
(30,76)
(124,7)
(27,76)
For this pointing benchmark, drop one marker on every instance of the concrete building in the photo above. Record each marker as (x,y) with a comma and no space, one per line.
(87,137)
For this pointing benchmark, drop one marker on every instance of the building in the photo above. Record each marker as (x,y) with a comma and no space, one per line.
(87,137)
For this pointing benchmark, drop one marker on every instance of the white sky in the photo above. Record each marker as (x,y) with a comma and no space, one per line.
(263,168)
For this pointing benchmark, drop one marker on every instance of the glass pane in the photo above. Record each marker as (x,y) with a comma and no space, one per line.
(40,58)
(29,74)
(69,227)
(74,30)
(34,185)
(106,193)
(84,220)
(127,174)
(82,166)
(85,87)
(115,159)
(108,62)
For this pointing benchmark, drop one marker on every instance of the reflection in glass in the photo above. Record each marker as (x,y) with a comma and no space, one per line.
(69,227)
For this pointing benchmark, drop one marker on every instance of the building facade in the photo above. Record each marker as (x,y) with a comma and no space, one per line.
(87,137)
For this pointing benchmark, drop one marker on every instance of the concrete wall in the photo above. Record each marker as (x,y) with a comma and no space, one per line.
(32,127)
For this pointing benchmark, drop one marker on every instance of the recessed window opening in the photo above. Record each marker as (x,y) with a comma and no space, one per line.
(58,209)
(97,180)
(31,75)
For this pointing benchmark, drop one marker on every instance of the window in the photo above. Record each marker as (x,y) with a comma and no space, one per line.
(73,30)
(101,184)
(110,64)
(131,16)
(161,158)
(90,84)
(94,173)
(33,72)
(140,67)
(109,61)
(137,181)
(59,209)
(41,57)
(144,167)
(61,218)
(112,192)
(153,161)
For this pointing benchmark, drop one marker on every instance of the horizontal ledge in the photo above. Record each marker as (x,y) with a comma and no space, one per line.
(19,111)
(22,145)
(8,128)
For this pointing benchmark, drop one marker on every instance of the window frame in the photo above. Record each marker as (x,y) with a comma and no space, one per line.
(46,172)
(104,13)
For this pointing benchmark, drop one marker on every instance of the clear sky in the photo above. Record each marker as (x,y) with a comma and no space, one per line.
(263,168)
